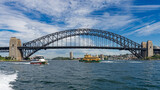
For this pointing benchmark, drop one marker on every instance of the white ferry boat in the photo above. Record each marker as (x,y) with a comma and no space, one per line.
(38,60)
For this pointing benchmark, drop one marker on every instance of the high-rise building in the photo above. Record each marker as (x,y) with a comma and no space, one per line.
(71,55)
(102,57)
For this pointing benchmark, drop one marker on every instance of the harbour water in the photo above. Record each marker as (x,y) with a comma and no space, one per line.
(75,75)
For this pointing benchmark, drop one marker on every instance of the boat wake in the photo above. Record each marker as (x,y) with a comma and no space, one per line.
(107,62)
(120,61)
(21,63)
(6,79)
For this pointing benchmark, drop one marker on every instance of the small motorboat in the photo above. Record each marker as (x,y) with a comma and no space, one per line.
(38,60)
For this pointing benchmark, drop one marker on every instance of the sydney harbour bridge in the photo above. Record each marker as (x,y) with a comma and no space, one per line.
(79,39)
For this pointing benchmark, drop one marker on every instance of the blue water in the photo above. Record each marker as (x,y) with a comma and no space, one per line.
(75,75)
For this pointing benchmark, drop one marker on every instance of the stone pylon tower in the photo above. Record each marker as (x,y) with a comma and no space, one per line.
(14,52)
(149,49)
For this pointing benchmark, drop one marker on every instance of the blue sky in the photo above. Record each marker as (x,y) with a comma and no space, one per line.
(137,20)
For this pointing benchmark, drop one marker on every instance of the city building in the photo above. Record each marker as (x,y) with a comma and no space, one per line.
(101,57)
(71,55)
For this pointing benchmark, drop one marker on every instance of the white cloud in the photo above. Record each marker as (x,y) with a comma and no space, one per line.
(147,30)
(74,12)
(57,7)
(108,22)
(27,29)
(81,22)
(144,7)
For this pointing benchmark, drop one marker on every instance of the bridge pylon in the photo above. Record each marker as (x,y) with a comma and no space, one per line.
(149,49)
(14,52)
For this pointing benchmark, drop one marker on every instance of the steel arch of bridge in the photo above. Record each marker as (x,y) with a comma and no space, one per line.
(46,40)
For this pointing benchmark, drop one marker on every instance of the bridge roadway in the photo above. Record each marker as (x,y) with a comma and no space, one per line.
(6,49)
(80,47)
(77,47)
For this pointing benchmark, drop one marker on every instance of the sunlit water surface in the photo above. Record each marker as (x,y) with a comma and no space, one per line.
(75,75)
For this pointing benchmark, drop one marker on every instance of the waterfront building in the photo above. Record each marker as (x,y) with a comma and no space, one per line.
(101,57)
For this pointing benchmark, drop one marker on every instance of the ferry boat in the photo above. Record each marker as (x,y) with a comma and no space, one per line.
(38,60)
(89,58)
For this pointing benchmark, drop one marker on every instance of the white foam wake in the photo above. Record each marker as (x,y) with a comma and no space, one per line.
(6,79)
(108,62)
(124,61)
(21,63)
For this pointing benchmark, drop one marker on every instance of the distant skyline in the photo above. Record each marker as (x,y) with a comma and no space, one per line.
(137,20)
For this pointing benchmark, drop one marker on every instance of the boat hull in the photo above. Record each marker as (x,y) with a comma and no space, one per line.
(38,63)
(89,60)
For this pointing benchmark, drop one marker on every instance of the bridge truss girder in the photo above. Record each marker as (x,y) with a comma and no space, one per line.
(54,37)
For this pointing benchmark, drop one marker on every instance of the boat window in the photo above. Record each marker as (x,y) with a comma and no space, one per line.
(39,57)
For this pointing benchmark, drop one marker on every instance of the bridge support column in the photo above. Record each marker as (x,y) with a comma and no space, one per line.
(149,49)
(14,52)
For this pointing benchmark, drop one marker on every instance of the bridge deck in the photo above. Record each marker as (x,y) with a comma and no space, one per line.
(81,47)
(77,47)
(4,49)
